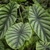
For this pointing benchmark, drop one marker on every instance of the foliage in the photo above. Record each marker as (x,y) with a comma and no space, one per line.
(40,22)
(17,34)
(8,15)
(43,46)
(1,46)
(25,25)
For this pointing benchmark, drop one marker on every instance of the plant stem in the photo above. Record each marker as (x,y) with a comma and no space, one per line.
(20,15)
(22,7)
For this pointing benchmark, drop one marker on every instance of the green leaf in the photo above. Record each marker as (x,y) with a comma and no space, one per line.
(17,34)
(8,15)
(40,22)
(42,46)
(1,46)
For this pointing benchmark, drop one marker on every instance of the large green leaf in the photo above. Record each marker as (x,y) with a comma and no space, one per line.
(40,22)
(8,15)
(17,34)
(42,46)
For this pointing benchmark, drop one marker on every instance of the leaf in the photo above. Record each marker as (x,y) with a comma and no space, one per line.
(42,46)
(40,22)
(1,46)
(8,15)
(17,34)
(30,43)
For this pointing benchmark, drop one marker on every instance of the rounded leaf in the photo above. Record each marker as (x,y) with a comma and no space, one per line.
(17,34)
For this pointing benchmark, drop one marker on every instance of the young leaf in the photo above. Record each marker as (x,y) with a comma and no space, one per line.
(17,34)
(42,46)
(8,15)
(40,22)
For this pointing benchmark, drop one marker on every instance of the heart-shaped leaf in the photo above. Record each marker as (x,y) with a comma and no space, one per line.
(8,15)
(17,34)
(40,22)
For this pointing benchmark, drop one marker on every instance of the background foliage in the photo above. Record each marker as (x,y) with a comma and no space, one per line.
(25,25)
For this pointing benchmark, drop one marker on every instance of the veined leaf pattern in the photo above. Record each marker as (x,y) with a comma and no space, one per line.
(8,15)
(40,22)
(17,34)
(42,46)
